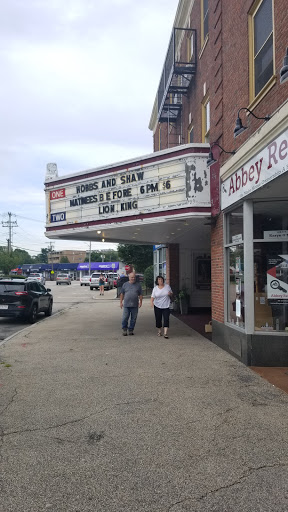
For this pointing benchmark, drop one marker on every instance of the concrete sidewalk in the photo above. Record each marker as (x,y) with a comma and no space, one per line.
(94,421)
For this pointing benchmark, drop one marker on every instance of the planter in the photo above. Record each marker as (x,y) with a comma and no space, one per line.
(184,304)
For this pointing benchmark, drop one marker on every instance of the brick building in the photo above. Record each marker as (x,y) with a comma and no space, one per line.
(238,49)
(212,197)
(72,256)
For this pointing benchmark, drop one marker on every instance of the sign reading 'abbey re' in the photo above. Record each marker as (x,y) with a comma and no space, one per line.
(264,167)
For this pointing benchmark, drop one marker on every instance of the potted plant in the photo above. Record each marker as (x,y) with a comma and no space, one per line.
(176,304)
(184,300)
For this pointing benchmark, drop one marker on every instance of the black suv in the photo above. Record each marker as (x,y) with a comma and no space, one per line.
(21,298)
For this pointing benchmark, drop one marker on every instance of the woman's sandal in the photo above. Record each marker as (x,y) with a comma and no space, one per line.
(166,336)
(159,334)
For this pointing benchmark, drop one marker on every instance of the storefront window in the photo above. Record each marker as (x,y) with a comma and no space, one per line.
(235,259)
(271,286)
(270,220)
(234,222)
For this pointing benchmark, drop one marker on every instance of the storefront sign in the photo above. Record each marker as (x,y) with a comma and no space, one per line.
(277,278)
(173,184)
(280,234)
(237,238)
(264,167)
(57,194)
(58,217)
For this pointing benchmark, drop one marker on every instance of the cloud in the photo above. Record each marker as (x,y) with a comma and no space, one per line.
(79,78)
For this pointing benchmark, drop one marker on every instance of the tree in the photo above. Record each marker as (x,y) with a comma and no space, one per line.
(149,277)
(7,262)
(140,256)
(109,255)
(42,257)
(21,256)
(64,259)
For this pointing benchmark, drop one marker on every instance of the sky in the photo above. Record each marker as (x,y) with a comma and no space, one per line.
(78,83)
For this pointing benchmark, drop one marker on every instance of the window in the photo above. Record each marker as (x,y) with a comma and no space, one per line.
(270,227)
(190,46)
(191,134)
(205,120)
(204,21)
(261,46)
(235,267)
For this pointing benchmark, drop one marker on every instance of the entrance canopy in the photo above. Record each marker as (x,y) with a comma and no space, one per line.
(158,198)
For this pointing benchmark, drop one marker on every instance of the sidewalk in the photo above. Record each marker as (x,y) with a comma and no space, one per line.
(92,421)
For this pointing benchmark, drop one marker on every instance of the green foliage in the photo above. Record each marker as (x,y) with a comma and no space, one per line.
(109,255)
(184,295)
(149,277)
(64,259)
(15,259)
(42,257)
(140,256)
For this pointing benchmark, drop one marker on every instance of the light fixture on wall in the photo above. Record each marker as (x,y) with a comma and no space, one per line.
(211,160)
(284,70)
(239,128)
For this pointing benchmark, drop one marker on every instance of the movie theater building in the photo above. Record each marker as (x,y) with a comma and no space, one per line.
(226,61)
(241,78)
(160,199)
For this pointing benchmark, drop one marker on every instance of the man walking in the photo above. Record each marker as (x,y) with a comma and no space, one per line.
(131,292)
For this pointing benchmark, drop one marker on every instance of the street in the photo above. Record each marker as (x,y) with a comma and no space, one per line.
(63,297)
(92,421)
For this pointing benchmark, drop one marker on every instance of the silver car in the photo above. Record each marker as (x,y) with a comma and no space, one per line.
(36,277)
(85,281)
(63,278)
(94,281)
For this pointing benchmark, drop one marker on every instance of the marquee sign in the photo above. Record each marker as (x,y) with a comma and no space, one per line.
(172,184)
(262,168)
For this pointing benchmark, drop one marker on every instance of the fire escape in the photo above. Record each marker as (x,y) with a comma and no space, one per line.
(178,71)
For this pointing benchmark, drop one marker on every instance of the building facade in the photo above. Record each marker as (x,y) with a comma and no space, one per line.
(212,198)
(73,256)
(238,52)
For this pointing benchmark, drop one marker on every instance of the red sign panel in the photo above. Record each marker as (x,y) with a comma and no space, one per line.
(57,194)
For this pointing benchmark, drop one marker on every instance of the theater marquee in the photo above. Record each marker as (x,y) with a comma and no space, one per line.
(168,185)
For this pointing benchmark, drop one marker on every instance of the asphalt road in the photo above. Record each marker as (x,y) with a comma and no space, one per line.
(63,297)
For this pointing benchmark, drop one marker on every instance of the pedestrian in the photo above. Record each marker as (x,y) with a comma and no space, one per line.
(132,294)
(160,299)
(101,284)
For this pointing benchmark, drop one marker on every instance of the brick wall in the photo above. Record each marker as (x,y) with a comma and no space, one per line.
(223,76)
(217,270)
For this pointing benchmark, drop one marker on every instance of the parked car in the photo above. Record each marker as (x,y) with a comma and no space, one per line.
(114,276)
(24,298)
(85,281)
(63,278)
(94,281)
(36,277)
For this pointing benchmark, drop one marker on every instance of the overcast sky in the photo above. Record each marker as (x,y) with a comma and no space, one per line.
(78,83)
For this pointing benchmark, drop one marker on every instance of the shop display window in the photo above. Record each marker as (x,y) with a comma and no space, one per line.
(235,259)
(271,286)
(270,221)
(234,223)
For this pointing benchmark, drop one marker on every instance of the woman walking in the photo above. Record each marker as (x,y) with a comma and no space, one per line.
(101,284)
(160,299)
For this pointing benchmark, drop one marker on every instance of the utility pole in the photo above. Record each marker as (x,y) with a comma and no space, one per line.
(50,251)
(10,224)
(89,258)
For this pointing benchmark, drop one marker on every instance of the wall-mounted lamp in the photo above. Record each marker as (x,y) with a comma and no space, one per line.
(284,70)
(239,128)
(211,160)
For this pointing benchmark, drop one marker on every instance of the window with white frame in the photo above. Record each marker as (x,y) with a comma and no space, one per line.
(261,45)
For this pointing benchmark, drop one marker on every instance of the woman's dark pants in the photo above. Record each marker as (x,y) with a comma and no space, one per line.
(158,316)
